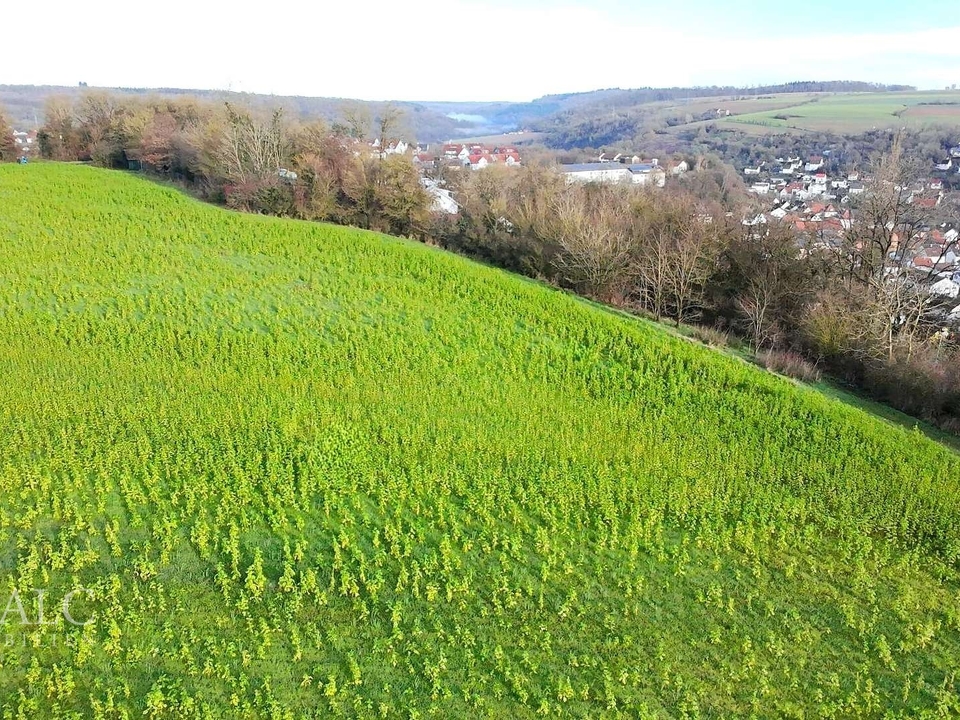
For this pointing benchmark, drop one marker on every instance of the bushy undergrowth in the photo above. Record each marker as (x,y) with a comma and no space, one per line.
(789,363)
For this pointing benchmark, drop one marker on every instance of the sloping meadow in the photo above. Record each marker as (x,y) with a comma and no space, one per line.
(261,468)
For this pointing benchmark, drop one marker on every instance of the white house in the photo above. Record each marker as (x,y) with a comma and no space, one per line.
(608,172)
(442,199)
(813,164)
(945,288)
(477,162)
(948,165)
(647,173)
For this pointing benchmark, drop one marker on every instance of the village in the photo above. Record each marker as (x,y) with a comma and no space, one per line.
(821,207)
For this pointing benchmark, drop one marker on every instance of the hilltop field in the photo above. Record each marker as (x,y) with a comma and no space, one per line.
(676,121)
(311,471)
(846,113)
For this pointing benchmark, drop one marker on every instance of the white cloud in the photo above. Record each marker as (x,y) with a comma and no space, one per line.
(432,49)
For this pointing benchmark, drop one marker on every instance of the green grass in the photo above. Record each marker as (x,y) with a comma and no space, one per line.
(313,471)
(859,112)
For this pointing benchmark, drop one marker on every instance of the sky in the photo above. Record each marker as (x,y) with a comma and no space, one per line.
(482,49)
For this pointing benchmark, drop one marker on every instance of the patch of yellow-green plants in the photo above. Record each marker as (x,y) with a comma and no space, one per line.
(309,471)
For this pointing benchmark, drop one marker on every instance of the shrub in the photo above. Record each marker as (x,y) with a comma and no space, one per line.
(924,385)
(790,364)
(711,336)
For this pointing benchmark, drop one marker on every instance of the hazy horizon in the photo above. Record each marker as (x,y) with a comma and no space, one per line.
(467,50)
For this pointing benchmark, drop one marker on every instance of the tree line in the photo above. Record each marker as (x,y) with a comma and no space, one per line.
(853,305)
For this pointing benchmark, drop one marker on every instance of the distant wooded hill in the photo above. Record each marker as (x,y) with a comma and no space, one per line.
(432,120)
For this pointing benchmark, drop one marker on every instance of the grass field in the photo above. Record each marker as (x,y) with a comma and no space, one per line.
(857,112)
(310,471)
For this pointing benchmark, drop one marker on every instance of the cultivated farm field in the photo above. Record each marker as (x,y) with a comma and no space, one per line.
(857,112)
(311,471)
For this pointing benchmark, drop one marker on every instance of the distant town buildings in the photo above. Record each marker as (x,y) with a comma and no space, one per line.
(26,142)
(475,157)
(648,173)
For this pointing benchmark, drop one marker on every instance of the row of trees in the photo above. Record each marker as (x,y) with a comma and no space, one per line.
(853,304)
(252,161)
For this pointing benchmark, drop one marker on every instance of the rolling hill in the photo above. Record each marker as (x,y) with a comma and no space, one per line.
(310,471)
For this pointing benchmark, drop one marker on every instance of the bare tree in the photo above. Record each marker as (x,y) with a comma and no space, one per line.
(876,259)
(676,255)
(595,245)
(251,148)
(388,125)
(356,117)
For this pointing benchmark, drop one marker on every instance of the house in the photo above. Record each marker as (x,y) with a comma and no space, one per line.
(926,203)
(608,172)
(792,190)
(479,161)
(680,168)
(647,173)
(602,172)
(948,165)
(441,199)
(134,158)
(760,188)
(936,185)
(955,152)
(856,188)
(508,159)
(25,141)
(813,164)
(753,170)
(945,288)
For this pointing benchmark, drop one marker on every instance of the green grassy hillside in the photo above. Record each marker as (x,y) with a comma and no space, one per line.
(857,112)
(310,471)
